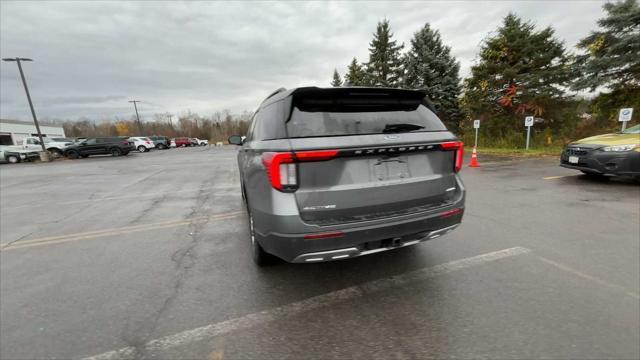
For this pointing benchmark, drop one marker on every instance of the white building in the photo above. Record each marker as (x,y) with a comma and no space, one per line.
(12,131)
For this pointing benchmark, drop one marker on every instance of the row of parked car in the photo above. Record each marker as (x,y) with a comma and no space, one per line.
(30,147)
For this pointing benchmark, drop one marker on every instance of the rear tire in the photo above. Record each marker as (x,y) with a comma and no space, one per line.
(161,146)
(55,152)
(116,152)
(72,154)
(260,257)
(142,148)
(13,159)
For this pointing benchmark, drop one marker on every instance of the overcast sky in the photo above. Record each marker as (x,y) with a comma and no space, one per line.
(91,57)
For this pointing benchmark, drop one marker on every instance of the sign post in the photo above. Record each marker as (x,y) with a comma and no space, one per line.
(476,125)
(528,122)
(625,115)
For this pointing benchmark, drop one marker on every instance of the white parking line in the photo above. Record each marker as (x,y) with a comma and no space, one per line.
(251,320)
(591,278)
(129,197)
(88,235)
(557,177)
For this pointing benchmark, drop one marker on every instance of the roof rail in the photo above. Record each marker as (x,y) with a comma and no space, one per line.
(275,92)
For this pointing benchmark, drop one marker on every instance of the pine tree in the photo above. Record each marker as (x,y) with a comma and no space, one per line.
(385,64)
(355,75)
(337,81)
(430,66)
(519,71)
(612,54)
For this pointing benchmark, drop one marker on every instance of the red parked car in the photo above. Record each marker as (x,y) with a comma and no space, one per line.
(182,141)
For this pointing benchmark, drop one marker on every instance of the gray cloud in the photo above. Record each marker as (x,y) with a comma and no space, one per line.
(80,100)
(91,57)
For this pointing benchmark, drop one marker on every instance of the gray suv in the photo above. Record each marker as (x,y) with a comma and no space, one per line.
(335,173)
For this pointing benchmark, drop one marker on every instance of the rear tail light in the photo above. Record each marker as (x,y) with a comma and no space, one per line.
(451,212)
(458,146)
(334,234)
(282,170)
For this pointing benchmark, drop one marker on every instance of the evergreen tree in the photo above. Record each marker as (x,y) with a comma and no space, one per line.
(337,81)
(430,66)
(519,71)
(355,75)
(385,64)
(612,56)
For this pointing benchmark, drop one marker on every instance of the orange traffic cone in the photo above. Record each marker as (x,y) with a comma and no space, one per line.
(474,158)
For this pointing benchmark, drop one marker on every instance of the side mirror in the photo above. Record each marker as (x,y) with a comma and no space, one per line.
(236,140)
(83,143)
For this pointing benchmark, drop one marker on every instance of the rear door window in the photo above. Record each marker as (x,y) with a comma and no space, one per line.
(318,123)
(269,122)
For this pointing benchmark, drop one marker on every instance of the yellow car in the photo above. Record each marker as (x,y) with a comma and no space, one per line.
(608,154)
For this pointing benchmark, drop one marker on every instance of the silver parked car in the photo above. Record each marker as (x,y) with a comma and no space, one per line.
(335,173)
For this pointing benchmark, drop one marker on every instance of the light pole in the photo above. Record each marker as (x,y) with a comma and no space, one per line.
(26,89)
(135,106)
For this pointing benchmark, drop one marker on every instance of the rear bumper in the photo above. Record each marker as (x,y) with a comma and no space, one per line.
(30,156)
(600,162)
(356,251)
(362,238)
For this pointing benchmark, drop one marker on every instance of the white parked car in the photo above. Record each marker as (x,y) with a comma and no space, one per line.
(52,145)
(15,154)
(201,142)
(142,143)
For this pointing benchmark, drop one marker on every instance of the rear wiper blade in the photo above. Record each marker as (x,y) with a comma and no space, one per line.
(394,128)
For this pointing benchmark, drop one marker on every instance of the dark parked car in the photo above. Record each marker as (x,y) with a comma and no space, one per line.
(161,142)
(182,142)
(115,146)
(608,154)
(336,173)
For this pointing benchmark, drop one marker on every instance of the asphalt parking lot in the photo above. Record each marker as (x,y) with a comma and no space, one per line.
(148,257)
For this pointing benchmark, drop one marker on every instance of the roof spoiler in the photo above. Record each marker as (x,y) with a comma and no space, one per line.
(314,91)
(273,93)
(358,99)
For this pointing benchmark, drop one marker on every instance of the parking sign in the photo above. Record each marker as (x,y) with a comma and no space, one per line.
(625,114)
(476,124)
(528,121)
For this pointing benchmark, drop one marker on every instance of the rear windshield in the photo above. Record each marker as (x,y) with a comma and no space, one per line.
(339,123)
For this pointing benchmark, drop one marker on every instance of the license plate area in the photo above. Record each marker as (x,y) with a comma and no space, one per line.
(391,169)
(574,159)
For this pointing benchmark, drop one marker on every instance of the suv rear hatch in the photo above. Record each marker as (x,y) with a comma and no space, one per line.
(362,154)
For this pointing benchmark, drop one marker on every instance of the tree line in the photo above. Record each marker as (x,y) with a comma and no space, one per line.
(520,70)
(217,127)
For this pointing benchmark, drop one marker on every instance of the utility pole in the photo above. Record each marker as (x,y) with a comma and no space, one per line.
(26,90)
(135,106)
